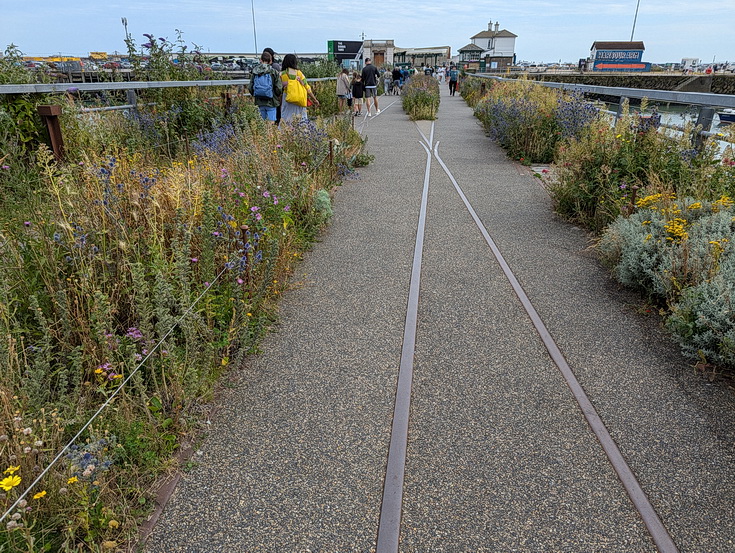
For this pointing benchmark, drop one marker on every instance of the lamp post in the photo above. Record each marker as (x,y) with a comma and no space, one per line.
(634,20)
(255,36)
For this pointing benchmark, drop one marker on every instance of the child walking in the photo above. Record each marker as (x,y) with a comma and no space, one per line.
(358,92)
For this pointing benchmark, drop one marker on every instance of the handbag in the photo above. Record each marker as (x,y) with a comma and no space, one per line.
(295,91)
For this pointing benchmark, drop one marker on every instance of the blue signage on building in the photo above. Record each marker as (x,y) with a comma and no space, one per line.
(618,56)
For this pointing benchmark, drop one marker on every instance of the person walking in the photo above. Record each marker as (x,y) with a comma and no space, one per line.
(397,80)
(387,82)
(370,76)
(343,89)
(295,91)
(453,78)
(266,87)
(358,91)
(277,66)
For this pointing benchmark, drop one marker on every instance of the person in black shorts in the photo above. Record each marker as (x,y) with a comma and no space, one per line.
(370,76)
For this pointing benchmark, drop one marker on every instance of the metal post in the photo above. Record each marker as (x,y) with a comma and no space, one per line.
(132,99)
(705,118)
(50,115)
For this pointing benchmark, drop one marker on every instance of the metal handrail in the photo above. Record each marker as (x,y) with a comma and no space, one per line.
(46,88)
(673,96)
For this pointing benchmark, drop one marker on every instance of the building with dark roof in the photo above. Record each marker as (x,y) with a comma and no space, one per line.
(498,47)
(471,52)
(618,56)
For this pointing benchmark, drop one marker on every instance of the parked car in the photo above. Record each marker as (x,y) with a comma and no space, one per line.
(112,65)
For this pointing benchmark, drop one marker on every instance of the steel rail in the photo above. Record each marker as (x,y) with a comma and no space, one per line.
(656,529)
(389,527)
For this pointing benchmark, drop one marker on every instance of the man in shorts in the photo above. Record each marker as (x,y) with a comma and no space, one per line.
(370,76)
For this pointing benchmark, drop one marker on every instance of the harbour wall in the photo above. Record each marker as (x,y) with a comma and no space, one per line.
(717,84)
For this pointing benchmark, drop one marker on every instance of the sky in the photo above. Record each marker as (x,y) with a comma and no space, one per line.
(548,30)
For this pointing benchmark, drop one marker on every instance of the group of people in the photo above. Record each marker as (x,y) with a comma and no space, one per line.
(361,89)
(280,91)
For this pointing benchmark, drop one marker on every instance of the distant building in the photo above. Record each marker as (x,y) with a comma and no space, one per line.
(470,53)
(381,52)
(618,56)
(419,57)
(344,52)
(498,47)
(689,64)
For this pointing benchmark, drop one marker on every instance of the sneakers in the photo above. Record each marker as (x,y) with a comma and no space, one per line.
(377,112)
(369,114)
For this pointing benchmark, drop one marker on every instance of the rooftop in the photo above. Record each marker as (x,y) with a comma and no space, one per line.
(636,45)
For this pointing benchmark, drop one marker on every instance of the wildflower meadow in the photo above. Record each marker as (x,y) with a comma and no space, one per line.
(660,202)
(421,97)
(132,275)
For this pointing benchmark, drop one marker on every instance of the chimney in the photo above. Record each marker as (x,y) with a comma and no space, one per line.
(497,25)
(490,25)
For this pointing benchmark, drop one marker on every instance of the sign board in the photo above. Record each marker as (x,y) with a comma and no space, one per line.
(340,50)
(98,55)
(611,66)
(620,60)
(619,56)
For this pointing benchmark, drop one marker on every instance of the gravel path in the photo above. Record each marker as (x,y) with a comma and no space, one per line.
(500,457)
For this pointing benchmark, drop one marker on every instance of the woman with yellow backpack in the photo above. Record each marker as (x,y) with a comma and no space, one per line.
(296,91)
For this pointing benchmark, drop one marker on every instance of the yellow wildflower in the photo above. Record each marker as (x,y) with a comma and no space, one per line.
(695,205)
(648,200)
(644,223)
(9,483)
(113,524)
(72,480)
(723,203)
(39,495)
(11,470)
(677,229)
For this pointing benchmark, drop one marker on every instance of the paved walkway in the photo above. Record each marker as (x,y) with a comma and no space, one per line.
(500,457)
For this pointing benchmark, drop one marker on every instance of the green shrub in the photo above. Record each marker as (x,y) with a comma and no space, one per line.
(526,119)
(680,253)
(594,174)
(421,97)
(703,320)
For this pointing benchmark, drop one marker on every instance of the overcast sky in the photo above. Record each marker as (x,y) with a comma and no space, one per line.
(548,30)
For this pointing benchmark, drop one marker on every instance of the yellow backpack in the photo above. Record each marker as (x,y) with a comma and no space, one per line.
(295,91)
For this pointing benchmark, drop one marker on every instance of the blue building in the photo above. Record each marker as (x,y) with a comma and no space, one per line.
(618,56)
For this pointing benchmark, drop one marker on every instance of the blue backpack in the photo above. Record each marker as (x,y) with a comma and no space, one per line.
(263,85)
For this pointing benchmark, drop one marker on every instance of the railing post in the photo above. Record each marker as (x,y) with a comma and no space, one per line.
(50,115)
(132,99)
(227,101)
(705,118)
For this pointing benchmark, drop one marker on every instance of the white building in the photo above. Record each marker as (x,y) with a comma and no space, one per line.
(495,46)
